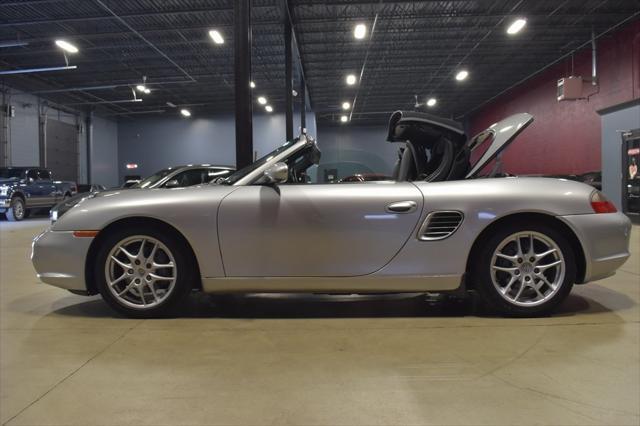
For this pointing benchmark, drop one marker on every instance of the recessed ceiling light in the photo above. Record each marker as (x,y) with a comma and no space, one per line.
(252,85)
(346,105)
(216,36)
(268,108)
(185,112)
(344,118)
(65,45)
(351,79)
(262,100)
(516,26)
(462,75)
(360,31)
(432,102)
(141,87)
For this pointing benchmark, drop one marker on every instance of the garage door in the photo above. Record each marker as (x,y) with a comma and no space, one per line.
(62,150)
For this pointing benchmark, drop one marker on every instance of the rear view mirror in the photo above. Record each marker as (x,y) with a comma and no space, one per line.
(275,174)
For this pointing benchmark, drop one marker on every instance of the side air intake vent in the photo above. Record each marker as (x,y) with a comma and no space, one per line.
(440,225)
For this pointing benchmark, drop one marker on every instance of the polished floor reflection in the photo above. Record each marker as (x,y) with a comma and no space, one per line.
(323,360)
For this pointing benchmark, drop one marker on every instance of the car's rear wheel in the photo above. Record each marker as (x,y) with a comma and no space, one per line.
(17,210)
(525,270)
(143,273)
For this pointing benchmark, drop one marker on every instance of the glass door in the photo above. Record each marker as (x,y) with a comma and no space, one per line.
(630,171)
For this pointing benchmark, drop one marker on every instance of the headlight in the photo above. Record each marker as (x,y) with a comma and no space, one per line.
(61,208)
(4,190)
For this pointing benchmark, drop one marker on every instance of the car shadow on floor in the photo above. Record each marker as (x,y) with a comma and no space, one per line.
(279,305)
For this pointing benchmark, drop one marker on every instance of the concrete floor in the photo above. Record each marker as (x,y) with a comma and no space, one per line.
(262,360)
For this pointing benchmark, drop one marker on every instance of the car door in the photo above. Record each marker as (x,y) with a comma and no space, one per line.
(50,192)
(34,192)
(316,230)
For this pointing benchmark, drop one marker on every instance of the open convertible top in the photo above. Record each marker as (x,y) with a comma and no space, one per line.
(437,149)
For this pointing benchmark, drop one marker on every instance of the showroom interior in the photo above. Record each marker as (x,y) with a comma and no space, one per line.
(104,97)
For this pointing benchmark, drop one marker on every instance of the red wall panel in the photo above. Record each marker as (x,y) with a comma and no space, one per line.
(565,136)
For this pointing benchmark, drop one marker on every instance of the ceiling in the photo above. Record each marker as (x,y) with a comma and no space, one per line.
(415,48)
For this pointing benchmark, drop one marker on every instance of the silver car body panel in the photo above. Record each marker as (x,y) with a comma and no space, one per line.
(332,237)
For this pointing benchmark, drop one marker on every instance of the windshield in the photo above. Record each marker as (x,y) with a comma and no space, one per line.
(259,162)
(153,179)
(11,173)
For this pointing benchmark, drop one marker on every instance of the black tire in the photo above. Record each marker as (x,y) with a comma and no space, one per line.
(185,268)
(17,210)
(489,294)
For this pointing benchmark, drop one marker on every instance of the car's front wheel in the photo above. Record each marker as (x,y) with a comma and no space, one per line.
(17,210)
(143,273)
(525,270)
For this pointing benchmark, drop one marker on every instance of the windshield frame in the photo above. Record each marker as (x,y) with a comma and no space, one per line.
(249,174)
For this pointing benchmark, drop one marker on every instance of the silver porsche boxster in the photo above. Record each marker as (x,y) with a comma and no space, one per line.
(519,243)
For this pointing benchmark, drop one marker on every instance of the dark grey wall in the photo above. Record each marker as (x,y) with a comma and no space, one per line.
(355,149)
(613,124)
(104,152)
(159,142)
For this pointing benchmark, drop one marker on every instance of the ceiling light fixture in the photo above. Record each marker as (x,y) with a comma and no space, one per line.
(462,75)
(262,100)
(185,113)
(147,90)
(346,105)
(171,104)
(516,26)
(360,31)
(268,108)
(141,87)
(432,102)
(252,85)
(216,37)
(344,118)
(66,46)
(351,79)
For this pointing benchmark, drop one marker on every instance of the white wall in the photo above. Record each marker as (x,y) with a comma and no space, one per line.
(24,146)
(104,152)
(23,134)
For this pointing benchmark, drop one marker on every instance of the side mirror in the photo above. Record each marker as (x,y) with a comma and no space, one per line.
(173,183)
(275,174)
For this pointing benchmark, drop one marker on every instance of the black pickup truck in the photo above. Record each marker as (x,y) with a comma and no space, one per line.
(25,188)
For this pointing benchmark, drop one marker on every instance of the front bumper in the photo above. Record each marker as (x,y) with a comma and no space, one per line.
(605,241)
(59,259)
(5,203)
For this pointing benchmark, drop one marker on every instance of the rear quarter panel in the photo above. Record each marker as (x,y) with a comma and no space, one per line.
(482,201)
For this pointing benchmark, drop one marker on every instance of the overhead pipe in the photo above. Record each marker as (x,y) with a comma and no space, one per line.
(32,70)
(594,72)
(14,44)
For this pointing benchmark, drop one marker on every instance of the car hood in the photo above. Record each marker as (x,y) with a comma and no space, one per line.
(10,181)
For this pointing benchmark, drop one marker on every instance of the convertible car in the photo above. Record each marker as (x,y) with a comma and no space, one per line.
(519,243)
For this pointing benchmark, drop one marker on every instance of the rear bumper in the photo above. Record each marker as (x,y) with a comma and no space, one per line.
(605,242)
(59,259)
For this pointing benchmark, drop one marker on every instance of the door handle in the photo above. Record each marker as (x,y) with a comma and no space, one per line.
(402,207)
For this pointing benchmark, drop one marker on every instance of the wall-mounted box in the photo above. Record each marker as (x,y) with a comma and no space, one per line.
(569,89)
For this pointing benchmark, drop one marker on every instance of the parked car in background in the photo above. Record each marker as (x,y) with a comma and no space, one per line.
(25,188)
(93,187)
(592,178)
(365,177)
(183,176)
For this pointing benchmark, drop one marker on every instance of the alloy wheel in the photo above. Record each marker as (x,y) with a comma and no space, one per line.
(527,268)
(140,272)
